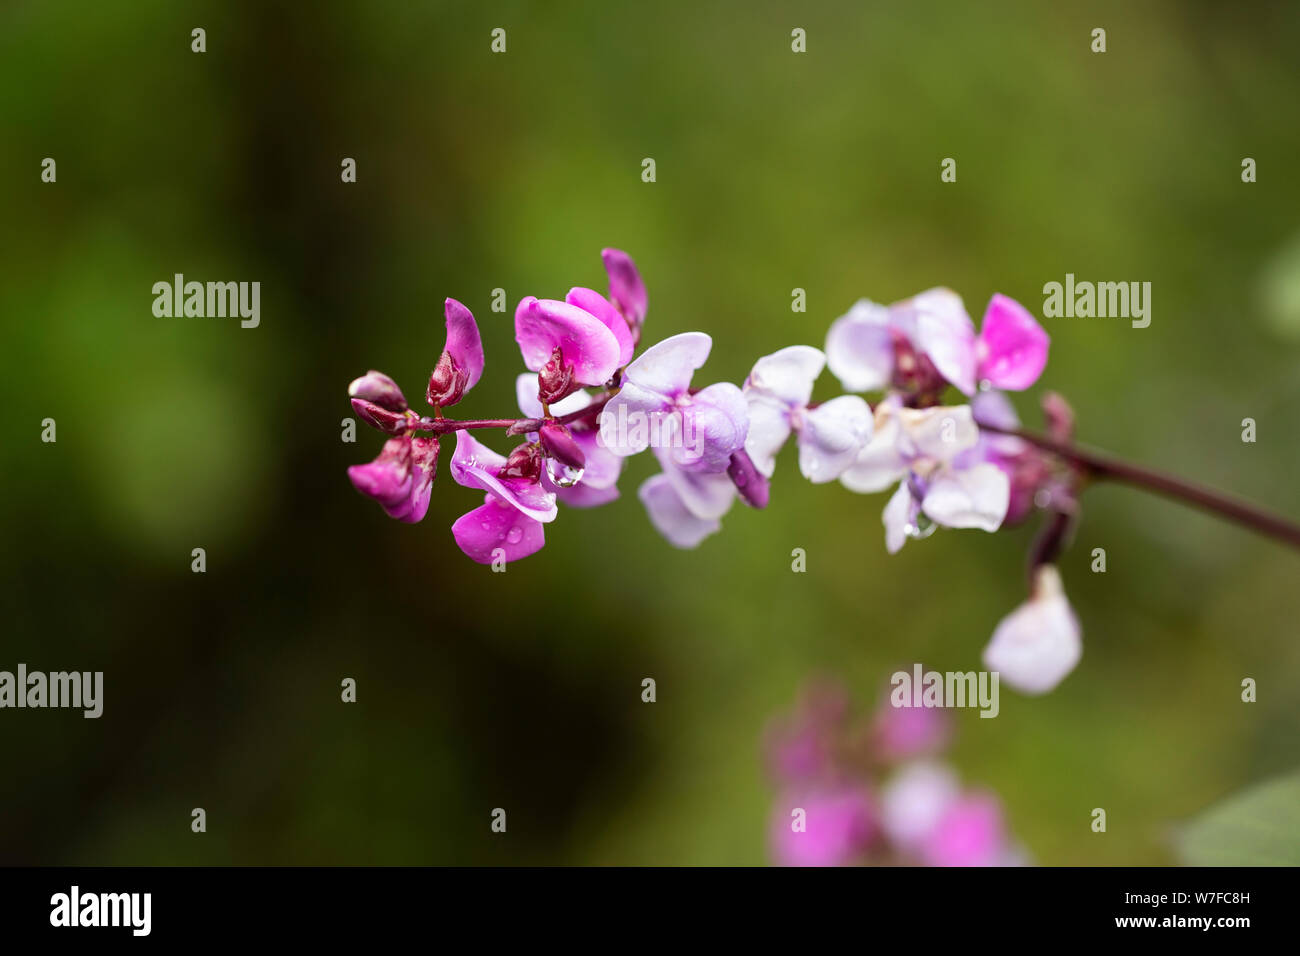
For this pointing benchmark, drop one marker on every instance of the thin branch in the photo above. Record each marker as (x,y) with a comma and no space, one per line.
(1105,467)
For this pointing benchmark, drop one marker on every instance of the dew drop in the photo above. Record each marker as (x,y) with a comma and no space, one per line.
(922,527)
(515,535)
(562,474)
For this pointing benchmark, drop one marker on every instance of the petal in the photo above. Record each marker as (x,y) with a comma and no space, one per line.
(880,463)
(831,437)
(839,826)
(946,334)
(914,801)
(940,433)
(1035,646)
(671,517)
(1012,345)
(666,367)
(474,465)
(463,341)
(603,466)
(583,495)
(968,833)
(860,347)
(603,309)
(705,495)
(632,418)
(625,285)
(975,497)
(769,427)
(388,478)
(497,530)
(713,426)
(531,406)
(543,325)
(787,375)
(900,514)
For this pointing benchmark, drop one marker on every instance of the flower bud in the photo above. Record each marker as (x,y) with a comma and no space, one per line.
(448,383)
(750,483)
(560,445)
(390,423)
(1059,417)
(378,389)
(524,462)
(555,380)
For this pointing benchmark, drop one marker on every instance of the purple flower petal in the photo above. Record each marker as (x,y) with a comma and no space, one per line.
(1012,345)
(543,325)
(969,833)
(945,333)
(670,516)
(840,825)
(860,347)
(788,375)
(497,530)
(832,435)
(601,308)
(463,342)
(625,285)
(666,367)
(715,424)
(474,465)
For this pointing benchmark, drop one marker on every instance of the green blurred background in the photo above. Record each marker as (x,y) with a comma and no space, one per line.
(476,171)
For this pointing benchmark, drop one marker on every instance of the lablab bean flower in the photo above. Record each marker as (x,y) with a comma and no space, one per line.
(937,428)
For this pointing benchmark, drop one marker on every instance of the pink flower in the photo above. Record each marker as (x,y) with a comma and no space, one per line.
(900,733)
(625,286)
(586,338)
(969,832)
(903,345)
(836,827)
(509,523)
(461,364)
(596,481)
(401,478)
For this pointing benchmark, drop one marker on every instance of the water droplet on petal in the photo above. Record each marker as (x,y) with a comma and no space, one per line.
(563,475)
(922,527)
(515,535)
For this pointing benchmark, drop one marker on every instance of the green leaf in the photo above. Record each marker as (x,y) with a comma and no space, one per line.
(1257,827)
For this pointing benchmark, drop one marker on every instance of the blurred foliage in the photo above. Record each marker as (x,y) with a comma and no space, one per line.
(1258,827)
(477,171)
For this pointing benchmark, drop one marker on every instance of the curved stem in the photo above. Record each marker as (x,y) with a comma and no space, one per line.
(1099,466)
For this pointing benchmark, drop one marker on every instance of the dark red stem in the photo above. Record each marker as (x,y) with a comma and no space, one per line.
(1100,467)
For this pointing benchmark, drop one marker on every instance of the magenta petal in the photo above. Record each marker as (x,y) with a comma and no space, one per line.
(497,530)
(474,465)
(1012,345)
(543,325)
(625,285)
(463,341)
(595,303)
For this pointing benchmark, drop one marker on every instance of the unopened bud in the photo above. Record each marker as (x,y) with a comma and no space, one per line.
(378,389)
(560,445)
(555,380)
(751,484)
(448,382)
(524,462)
(390,423)
(1059,417)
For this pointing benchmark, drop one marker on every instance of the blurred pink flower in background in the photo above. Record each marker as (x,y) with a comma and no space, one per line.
(871,791)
